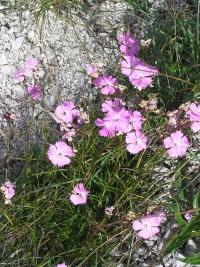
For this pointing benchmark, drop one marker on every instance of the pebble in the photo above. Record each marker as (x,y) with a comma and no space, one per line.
(3,59)
(16,44)
(6,70)
(18,90)
(190,248)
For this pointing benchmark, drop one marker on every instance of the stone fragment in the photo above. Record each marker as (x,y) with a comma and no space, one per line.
(18,90)
(17,43)
(3,59)
(190,248)
(50,53)
(6,70)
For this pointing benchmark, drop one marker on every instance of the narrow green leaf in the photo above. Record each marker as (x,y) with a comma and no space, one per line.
(178,217)
(193,260)
(196,202)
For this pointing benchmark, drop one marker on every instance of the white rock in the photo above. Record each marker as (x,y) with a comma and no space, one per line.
(18,90)
(50,53)
(17,43)
(3,59)
(31,35)
(177,262)
(4,29)
(6,70)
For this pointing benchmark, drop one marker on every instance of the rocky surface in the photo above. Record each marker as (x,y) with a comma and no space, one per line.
(65,49)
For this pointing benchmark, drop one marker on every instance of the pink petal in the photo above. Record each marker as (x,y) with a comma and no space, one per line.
(137,225)
(155,221)
(77,199)
(63,161)
(148,232)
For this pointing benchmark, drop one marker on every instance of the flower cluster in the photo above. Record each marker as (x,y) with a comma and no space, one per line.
(119,120)
(140,74)
(33,68)
(70,119)
(60,154)
(8,190)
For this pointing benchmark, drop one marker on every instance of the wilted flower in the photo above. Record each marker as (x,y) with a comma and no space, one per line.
(69,133)
(8,190)
(149,105)
(80,195)
(109,210)
(38,72)
(146,43)
(188,216)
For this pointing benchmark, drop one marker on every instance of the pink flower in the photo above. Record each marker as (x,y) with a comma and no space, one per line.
(66,112)
(80,195)
(114,121)
(142,76)
(61,265)
(188,216)
(34,91)
(194,112)
(92,70)
(129,45)
(110,105)
(18,75)
(135,121)
(32,63)
(129,64)
(8,190)
(107,83)
(194,115)
(177,144)
(60,154)
(136,141)
(195,126)
(148,226)
(26,72)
